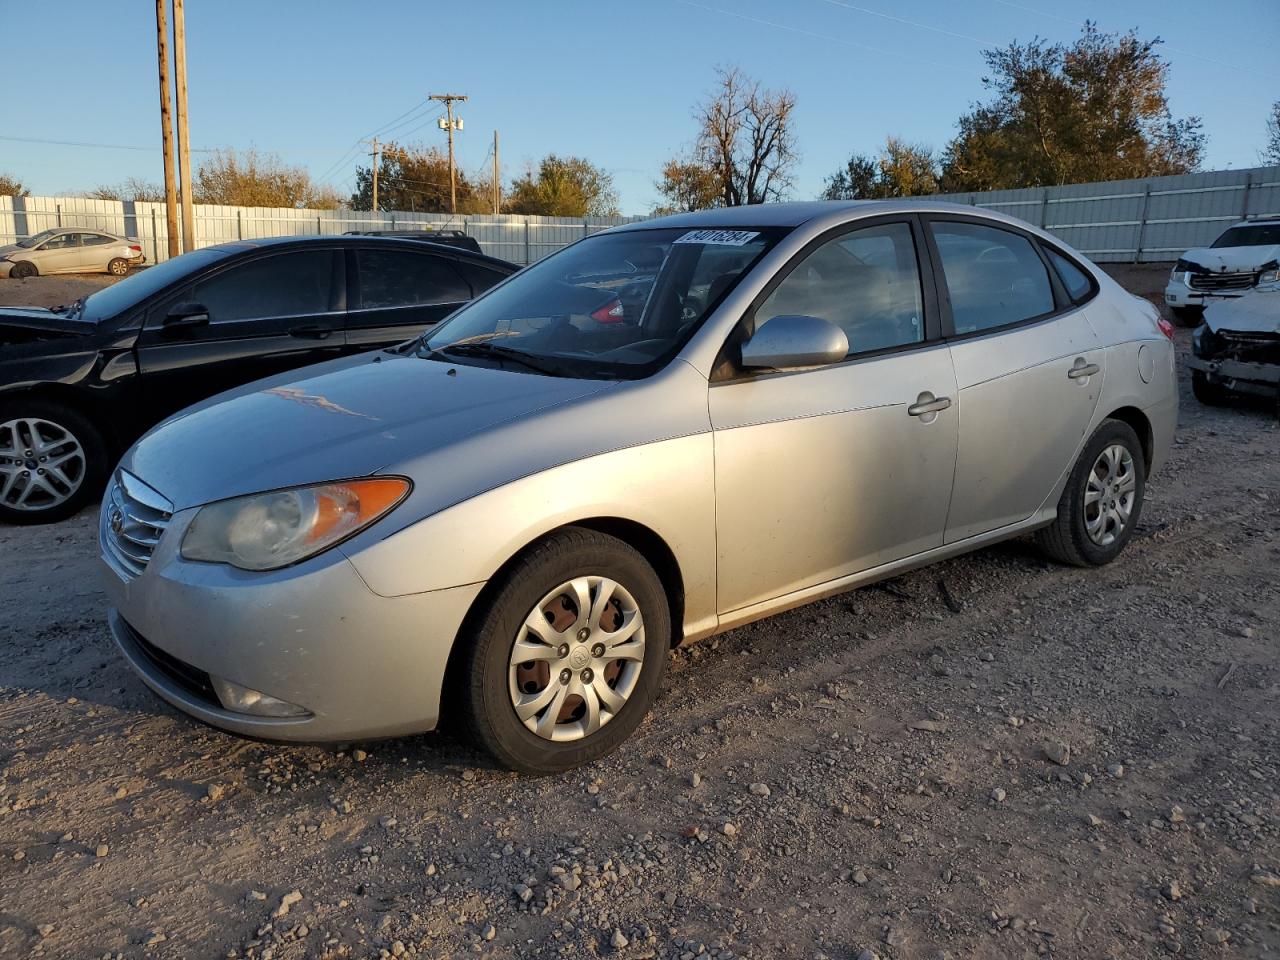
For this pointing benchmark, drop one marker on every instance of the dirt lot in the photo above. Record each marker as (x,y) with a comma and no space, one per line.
(867,776)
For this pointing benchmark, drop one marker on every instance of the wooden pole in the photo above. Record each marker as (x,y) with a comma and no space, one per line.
(166,126)
(184,140)
(497,184)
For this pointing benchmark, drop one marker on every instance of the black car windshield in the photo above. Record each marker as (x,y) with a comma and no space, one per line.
(39,238)
(615,305)
(110,301)
(1253,235)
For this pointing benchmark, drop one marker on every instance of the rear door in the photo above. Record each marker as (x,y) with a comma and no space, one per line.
(97,250)
(1029,371)
(397,293)
(267,314)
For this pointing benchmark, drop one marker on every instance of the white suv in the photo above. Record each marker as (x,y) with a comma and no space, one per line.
(1246,255)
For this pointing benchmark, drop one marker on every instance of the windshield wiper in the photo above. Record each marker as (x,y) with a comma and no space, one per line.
(73,309)
(493,351)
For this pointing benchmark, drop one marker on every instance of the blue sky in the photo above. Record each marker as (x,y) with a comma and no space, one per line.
(615,82)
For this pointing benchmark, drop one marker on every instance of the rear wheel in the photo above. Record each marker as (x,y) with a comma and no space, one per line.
(1102,501)
(568,655)
(118,267)
(52,461)
(1207,392)
(22,270)
(1187,316)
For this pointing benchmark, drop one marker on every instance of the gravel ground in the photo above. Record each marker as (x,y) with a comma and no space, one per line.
(1028,761)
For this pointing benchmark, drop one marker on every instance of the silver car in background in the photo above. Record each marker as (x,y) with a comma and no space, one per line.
(70,251)
(664,431)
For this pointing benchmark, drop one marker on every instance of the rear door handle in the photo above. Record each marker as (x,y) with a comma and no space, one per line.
(1082,369)
(311,331)
(927,403)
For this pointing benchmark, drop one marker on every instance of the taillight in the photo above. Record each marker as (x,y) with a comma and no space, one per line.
(135,248)
(1165,327)
(611,312)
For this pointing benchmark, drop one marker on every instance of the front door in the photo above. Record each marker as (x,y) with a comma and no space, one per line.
(59,254)
(1029,369)
(825,472)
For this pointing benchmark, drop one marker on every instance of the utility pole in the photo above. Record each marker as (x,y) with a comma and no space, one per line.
(497,184)
(450,125)
(184,141)
(166,127)
(375,154)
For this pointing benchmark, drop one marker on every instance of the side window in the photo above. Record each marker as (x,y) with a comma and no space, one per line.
(994,277)
(1077,282)
(285,285)
(95,239)
(62,241)
(480,277)
(866,282)
(402,278)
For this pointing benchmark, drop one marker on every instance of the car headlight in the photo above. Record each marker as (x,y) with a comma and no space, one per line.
(266,531)
(1270,272)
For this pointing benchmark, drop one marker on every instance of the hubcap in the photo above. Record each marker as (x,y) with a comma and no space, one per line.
(1109,495)
(41,464)
(576,659)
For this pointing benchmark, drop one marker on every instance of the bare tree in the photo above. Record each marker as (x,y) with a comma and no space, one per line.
(1271,153)
(745,137)
(131,188)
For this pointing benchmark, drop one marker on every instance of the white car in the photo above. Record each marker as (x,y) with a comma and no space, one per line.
(73,250)
(1245,256)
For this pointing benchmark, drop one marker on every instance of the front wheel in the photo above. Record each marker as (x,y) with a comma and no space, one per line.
(1207,392)
(118,267)
(567,656)
(22,270)
(1102,501)
(1187,316)
(52,461)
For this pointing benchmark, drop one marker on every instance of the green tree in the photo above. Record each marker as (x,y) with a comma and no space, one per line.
(1095,109)
(901,169)
(1271,153)
(686,184)
(564,187)
(251,179)
(416,178)
(11,186)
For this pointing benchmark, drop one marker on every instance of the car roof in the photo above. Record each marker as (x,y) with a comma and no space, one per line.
(346,240)
(794,213)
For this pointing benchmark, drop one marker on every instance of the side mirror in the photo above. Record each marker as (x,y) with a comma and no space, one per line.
(182,316)
(790,341)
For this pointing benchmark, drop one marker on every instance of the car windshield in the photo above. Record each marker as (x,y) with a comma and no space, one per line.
(615,305)
(39,238)
(1254,235)
(112,300)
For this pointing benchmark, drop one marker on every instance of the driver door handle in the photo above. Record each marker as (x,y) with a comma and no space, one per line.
(922,406)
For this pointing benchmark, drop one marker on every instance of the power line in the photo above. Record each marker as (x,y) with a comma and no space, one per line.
(909,23)
(101,146)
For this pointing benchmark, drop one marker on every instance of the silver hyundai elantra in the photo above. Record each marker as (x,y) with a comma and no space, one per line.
(661,432)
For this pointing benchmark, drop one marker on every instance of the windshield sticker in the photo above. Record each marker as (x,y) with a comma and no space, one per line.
(727,238)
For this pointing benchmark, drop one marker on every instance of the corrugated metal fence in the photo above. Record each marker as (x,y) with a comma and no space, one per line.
(1141,220)
(1122,220)
(520,239)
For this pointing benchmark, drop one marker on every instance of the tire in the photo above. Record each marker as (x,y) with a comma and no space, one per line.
(79,478)
(118,267)
(531,590)
(1074,537)
(22,270)
(1187,316)
(1207,392)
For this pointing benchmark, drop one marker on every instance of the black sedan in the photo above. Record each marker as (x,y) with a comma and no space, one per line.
(79,383)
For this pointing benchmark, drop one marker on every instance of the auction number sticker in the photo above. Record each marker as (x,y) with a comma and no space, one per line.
(727,238)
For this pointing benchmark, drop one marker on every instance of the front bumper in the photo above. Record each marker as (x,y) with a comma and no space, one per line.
(315,635)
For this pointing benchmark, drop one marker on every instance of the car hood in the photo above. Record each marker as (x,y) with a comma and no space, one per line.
(1232,259)
(1255,312)
(341,419)
(39,320)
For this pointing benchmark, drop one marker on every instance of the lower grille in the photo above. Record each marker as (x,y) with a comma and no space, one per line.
(189,679)
(1222,281)
(134,518)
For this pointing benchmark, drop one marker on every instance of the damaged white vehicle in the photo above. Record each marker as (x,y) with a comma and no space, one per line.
(1237,348)
(1245,257)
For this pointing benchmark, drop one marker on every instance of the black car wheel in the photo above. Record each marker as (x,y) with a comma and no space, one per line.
(22,270)
(52,461)
(1102,501)
(1187,316)
(1207,392)
(118,267)
(567,655)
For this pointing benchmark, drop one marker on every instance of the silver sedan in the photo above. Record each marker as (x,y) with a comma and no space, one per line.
(70,251)
(662,432)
